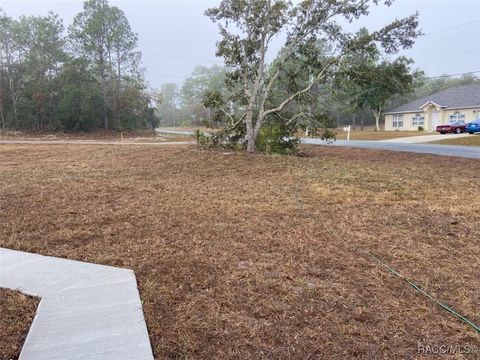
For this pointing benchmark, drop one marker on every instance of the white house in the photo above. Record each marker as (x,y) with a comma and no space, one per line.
(456,103)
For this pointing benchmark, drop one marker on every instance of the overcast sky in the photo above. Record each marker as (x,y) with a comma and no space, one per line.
(175,36)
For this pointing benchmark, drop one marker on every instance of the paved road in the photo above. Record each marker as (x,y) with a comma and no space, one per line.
(174,132)
(471,152)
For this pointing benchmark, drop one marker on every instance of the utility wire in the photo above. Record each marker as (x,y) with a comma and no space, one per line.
(169,76)
(429,78)
(453,75)
(182,57)
(448,56)
(452,27)
(217,60)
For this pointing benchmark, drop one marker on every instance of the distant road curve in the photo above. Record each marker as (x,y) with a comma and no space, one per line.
(470,152)
(174,132)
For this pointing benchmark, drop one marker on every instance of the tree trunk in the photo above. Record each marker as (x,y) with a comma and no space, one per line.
(338,119)
(14,108)
(13,96)
(105,115)
(377,121)
(2,115)
(1,92)
(362,122)
(103,78)
(250,135)
(251,143)
(354,122)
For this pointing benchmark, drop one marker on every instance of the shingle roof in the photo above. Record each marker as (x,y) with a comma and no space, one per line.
(454,97)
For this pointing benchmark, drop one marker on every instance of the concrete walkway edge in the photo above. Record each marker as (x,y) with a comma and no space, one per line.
(87,311)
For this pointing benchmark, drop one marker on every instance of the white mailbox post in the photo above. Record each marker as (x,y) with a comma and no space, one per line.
(348,129)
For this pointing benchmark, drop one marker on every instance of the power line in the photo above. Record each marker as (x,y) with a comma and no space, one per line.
(169,76)
(217,60)
(182,57)
(430,78)
(453,75)
(448,56)
(453,27)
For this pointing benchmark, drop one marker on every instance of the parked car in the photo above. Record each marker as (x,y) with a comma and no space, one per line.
(456,127)
(473,127)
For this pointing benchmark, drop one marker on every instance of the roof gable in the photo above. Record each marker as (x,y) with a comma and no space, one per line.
(433,103)
(454,97)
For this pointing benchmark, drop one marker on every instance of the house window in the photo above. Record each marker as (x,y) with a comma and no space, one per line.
(418,120)
(397,121)
(457,116)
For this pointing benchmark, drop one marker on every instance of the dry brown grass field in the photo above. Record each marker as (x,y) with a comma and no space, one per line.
(473,140)
(127,136)
(241,256)
(16,315)
(371,134)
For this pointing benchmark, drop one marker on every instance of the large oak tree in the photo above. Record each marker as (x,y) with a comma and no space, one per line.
(247,28)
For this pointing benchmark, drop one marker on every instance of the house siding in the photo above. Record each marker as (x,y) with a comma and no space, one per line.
(470,115)
(407,122)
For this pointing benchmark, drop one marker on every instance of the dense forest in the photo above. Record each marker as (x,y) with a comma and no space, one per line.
(86,77)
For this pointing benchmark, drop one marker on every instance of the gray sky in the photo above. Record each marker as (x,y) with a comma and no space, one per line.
(175,36)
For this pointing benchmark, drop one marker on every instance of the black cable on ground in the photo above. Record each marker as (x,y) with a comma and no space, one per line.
(417,287)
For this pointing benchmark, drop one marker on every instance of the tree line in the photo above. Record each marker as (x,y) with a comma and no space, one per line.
(89,75)
(85,77)
(184,105)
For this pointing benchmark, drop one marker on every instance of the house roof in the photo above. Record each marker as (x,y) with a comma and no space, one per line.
(454,97)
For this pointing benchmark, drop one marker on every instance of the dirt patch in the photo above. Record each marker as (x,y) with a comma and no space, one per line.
(16,315)
(127,136)
(242,256)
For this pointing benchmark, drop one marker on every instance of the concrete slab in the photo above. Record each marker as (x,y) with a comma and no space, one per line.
(87,311)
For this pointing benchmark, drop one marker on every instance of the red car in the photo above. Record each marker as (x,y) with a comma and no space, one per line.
(456,127)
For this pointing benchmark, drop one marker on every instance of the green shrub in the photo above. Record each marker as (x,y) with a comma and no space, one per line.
(277,138)
(420,128)
(234,139)
(328,135)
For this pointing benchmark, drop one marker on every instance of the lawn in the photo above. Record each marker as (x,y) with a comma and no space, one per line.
(473,140)
(114,136)
(16,314)
(370,134)
(251,257)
